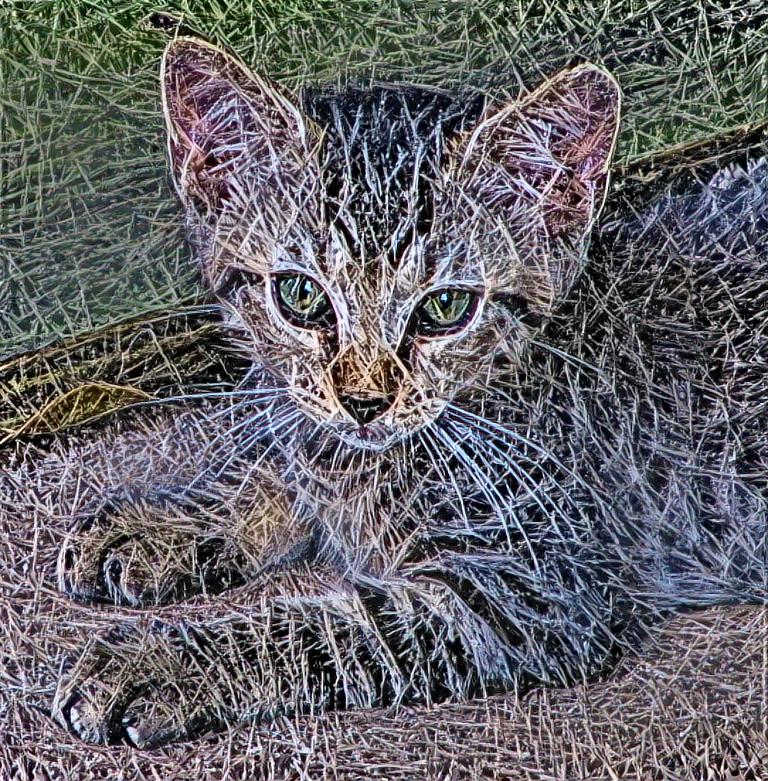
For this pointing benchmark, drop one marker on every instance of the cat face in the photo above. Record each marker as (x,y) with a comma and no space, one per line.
(376,248)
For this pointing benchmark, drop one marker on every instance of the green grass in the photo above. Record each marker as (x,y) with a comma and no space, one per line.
(89,230)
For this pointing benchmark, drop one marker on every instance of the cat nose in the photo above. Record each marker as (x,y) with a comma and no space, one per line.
(364,409)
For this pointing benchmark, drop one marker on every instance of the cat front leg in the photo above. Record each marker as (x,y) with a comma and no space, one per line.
(164,546)
(124,694)
(151,683)
(316,643)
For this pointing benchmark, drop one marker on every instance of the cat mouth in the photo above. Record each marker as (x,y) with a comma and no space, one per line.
(370,436)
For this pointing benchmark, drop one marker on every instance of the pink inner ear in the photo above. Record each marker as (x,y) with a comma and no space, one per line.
(206,149)
(540,168)
(592,101)
(206,111)
(571,205)
(224,122)
(557,142)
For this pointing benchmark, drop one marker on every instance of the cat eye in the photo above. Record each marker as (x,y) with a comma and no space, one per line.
(445,311)
(302,301)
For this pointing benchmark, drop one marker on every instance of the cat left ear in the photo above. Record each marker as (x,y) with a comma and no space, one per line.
(221,120)
(541,165)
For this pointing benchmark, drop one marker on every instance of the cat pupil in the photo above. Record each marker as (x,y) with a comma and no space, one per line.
(446,307)
(301,294)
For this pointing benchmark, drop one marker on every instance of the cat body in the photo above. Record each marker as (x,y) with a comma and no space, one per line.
(461,463)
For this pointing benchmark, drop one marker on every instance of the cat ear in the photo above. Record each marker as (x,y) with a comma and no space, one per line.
(541,165)
(222,121)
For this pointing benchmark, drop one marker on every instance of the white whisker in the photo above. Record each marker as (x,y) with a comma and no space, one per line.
(502,507)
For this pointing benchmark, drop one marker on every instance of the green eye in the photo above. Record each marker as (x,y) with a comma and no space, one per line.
(445,311)
(302,301)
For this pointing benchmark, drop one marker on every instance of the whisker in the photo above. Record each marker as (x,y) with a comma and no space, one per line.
(574,360)
(525,480)
(501,507)
(245,403)
(234,393)
(284,427)
(495,429)
(433,446)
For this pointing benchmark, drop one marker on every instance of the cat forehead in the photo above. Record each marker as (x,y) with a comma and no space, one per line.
(340,264)
(380,125)
(381,154)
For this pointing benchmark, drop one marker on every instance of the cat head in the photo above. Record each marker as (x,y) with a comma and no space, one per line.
(376,248)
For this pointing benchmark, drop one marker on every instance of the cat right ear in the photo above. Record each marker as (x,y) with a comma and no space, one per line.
(222,122)
(540,165)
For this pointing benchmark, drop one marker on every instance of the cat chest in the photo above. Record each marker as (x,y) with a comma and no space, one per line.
(366,527)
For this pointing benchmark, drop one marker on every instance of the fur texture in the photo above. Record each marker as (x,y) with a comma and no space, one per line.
(421,509)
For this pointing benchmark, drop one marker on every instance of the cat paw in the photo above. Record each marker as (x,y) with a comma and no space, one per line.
(152,718)
(134,690)
(123,571)
(126,569)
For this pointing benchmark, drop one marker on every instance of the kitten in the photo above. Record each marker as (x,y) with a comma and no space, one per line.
(458,464)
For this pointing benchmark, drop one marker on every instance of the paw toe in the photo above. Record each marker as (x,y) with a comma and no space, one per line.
(117,583)
(111,575)
(142,734)
(83,719)
(70,573)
